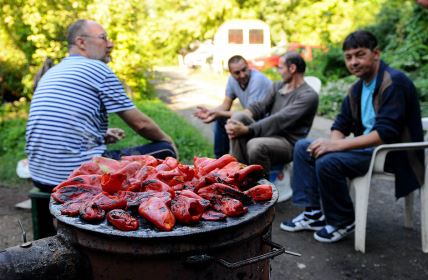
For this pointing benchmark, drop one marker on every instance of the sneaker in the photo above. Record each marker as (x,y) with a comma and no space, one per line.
(305,221)
(329,234)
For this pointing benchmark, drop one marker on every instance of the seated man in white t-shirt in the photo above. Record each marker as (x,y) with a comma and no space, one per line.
(248,85)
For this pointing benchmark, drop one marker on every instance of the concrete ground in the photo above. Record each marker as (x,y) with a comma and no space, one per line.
(392,252)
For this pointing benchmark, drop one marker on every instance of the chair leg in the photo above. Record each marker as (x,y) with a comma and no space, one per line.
(424,218)
(362,189)
(408,210)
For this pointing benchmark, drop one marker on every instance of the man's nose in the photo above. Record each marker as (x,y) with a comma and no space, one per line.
(354,61)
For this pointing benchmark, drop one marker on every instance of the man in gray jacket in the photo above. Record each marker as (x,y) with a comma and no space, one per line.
(266,131)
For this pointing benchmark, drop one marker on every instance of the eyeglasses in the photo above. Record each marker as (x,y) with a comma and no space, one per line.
(102,37)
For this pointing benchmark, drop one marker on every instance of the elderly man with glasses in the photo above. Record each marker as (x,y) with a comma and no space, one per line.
(68,120)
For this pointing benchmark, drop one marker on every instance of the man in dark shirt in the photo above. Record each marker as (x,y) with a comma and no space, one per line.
(381,107)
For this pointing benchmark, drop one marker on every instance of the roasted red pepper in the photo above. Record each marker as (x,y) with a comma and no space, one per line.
(107,165)
(146,160)
(109,202)
(218,163)
(71,208)
(156,185)
(230,207)
(155,211)
(91,212)
(248,176)
(130,169)
(122,220)
(87,168)
(93,180)
(205,203)
(260,192)
(135,198)
(72,192)
(112,182)
(187,210)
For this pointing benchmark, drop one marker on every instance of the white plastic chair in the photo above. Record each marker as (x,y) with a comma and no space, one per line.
(361,187)
(314,82)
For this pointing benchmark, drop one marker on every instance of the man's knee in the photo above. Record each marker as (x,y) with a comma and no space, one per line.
(327,164)
(241,117)
(301,146)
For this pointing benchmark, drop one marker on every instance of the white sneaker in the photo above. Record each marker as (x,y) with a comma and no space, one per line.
(305,221)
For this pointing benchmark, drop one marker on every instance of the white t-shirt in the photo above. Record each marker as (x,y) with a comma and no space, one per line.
(258,88)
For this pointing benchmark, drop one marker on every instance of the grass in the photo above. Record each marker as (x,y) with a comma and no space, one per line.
(13,120)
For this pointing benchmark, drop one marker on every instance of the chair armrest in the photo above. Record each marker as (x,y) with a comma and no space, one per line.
(379,154)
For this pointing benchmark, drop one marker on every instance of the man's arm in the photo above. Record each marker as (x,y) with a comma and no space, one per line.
(223,110)
(144,125)
(235,129)
(338,143)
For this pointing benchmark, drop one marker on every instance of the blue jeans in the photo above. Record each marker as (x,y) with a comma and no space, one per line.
(221,140)
(322,182)
(159,149)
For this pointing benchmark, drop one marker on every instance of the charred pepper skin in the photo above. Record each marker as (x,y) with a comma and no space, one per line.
(122,220)
(91,212)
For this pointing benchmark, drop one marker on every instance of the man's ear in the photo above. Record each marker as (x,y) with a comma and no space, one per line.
(376,53)
(292,68)
(80,43)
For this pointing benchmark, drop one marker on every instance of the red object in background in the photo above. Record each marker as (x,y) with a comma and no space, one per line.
(272,59)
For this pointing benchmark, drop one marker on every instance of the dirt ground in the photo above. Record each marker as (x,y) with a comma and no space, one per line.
(10,231)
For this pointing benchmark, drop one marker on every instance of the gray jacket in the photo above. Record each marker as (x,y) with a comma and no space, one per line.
(289,115)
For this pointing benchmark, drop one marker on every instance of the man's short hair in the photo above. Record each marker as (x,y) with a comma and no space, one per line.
(75,30)
(360,39)
(235,59)
(292,57)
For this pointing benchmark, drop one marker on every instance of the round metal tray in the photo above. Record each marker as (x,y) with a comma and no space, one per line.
(147,230)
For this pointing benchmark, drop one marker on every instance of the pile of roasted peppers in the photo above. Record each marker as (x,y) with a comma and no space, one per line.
(163,192)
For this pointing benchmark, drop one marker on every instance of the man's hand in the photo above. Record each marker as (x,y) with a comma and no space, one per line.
(205,115)
(235,129)
(322,146)
(113,135)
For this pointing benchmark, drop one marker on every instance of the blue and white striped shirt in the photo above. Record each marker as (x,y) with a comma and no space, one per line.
(69,117)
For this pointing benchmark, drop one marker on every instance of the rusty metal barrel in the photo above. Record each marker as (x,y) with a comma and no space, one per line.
(48,258)
(238,248)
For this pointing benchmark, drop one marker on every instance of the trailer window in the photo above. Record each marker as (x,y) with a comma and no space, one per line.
(236,36)
(256,36)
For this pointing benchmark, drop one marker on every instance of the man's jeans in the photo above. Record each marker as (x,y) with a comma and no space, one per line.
(221,140)
(160,149)
(322,182)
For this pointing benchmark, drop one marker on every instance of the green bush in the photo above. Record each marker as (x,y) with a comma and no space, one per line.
(332,95)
